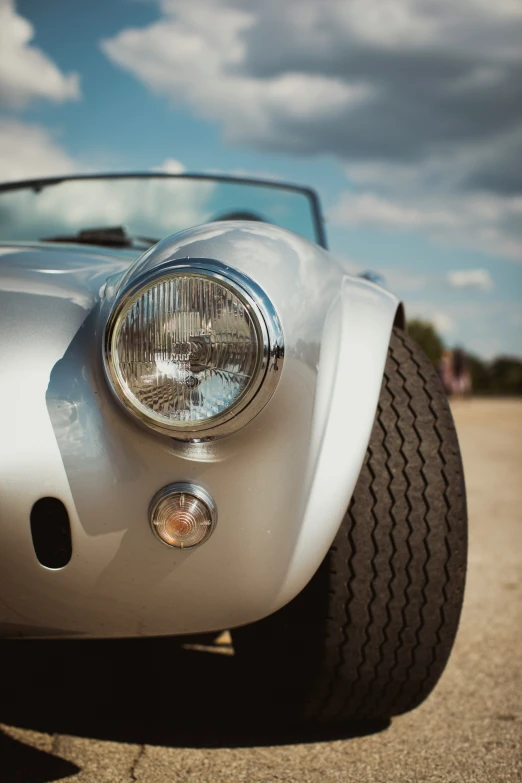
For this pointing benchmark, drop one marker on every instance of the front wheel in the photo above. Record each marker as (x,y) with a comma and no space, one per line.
(371,633)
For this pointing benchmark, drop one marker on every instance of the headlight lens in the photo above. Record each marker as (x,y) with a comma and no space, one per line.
(186,349)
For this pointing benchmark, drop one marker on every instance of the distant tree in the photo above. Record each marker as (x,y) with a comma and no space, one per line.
(500,376)
(479,370)
(506,375)
(427,337)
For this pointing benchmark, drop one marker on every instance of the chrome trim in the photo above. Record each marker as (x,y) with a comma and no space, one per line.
(179,488)
(270,360)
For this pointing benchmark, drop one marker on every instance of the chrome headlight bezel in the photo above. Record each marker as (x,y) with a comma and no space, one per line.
(270,349)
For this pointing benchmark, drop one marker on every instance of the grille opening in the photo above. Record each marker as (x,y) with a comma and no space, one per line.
(51,531)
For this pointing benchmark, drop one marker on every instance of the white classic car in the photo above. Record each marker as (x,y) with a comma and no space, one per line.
(222,430)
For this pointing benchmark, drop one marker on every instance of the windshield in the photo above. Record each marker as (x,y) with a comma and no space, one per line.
(147,207)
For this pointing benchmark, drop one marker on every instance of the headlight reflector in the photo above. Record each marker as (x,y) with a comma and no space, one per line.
(186,350)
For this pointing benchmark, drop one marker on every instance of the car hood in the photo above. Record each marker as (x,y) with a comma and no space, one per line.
(74,273)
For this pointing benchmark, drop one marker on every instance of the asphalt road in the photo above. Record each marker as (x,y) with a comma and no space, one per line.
(144,711)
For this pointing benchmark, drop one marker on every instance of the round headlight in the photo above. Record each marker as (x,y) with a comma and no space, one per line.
(187,349)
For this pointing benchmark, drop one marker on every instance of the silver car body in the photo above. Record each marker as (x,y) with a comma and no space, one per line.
(281,484)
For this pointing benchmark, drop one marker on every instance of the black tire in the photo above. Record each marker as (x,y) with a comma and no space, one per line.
(370,635)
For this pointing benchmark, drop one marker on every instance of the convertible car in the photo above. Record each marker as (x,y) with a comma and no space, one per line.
(222,429)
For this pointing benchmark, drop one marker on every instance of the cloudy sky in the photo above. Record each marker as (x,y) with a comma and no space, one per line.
(406,116)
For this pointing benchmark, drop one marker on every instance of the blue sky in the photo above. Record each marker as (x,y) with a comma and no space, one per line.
(405,120)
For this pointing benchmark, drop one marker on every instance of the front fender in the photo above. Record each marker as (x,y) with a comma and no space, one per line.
(354,348)
(281,484)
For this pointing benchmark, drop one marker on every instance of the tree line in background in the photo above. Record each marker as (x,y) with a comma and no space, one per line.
(502,375)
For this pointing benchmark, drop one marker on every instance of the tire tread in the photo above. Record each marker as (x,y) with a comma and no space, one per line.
(370,635)
(402,644)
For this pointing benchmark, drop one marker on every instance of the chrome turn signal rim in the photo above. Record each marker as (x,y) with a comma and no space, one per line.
(182,515)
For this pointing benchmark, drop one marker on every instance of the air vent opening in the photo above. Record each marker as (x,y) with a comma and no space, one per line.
(51,531)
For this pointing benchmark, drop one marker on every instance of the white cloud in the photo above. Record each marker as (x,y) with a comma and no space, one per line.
(171,166)
(29,150)
(369,208)
(404,279)
(334,77)
(437,153)
(488,222)
(26,72)
(428,311)
(470,278)
(195,54)
(443,322)
(444,169)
